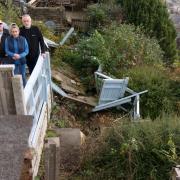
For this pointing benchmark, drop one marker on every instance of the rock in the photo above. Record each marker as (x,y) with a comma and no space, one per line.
(57,76)
(73,82)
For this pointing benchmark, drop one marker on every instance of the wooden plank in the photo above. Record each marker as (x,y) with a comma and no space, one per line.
(18,91)
(3,96)
(68,34)
(6,93)
(52,158)
(33,2)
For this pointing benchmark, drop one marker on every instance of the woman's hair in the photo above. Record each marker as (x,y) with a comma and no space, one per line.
(12,26)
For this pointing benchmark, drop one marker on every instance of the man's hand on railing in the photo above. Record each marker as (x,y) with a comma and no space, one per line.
(43,55)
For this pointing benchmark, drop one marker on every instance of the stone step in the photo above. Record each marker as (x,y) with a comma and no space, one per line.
(71,140)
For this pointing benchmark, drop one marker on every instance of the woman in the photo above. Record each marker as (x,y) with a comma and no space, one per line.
(16,48)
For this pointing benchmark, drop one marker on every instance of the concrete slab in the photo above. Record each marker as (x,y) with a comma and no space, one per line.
(14,133)
(71,140)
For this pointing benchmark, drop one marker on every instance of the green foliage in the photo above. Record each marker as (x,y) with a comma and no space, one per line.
(161,90)
(97,16)
(48,33)
(113,50)
(9,13)
(119,47)
(84,66)
(61,123)
(154,17)
(146,150)
(51,133)
(103,13)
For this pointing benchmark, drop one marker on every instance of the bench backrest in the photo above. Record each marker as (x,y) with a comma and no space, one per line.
(112,89)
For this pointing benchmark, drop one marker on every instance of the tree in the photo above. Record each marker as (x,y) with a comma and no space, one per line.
(154,17)
(9,12)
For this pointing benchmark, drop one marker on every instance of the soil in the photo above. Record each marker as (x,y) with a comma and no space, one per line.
(75,114)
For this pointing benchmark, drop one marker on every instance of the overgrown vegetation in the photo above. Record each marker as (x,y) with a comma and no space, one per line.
(154,17)
(146,150)
(9,13)
(160,98)
(113,50)
(151,15)
(103,13)
(123,50)
(119,47)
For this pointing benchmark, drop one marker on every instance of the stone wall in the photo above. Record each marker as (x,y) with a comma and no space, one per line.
(56,14)
(54,3)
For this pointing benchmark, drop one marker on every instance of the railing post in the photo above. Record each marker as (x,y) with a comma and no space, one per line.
(18,92)
(136,113)
(48,67)
(44,81)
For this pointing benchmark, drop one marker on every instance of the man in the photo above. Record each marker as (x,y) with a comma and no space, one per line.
(34,38)
(4,33)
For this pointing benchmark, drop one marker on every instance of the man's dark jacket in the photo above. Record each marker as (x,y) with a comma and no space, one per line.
(34,38)
(2,43)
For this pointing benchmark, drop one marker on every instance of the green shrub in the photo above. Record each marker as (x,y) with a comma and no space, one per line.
(154,17)
(146,150)
(96,15)
(84,66)
(115,48)
(161,91)
(103,13)
(129,47)
(119,47)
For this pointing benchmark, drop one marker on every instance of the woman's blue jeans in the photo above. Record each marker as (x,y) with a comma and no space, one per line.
(21,69)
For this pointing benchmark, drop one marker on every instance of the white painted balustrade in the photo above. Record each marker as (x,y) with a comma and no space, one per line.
(36,94)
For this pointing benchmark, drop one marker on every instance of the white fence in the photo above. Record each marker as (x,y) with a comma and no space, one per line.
(36,94)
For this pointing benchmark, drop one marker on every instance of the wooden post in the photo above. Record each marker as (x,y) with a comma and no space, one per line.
(19,95)
(52,159)
(4,107)
(6,94)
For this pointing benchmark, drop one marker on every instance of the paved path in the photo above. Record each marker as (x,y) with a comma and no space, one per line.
(14,133)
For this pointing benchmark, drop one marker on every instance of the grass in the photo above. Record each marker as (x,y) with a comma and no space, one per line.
(145,150)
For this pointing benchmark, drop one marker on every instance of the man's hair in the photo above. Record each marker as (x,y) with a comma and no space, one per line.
(26,15)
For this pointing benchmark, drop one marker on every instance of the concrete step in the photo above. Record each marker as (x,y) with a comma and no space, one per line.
(71,140)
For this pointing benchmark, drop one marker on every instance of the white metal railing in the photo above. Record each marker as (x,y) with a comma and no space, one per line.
(36,93)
